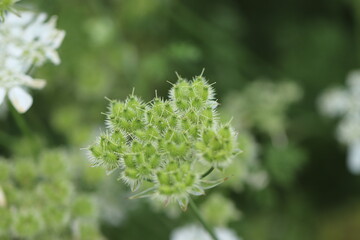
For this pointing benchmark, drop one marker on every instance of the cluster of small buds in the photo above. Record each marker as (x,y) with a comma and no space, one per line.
(345,103)
(39,199)
(246,170)
(168,144)
(26,40)
(219,210)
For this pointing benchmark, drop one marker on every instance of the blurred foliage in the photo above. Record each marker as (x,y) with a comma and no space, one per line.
(219,211)
(262,106)
(114,46)
(43,198)
(283,163)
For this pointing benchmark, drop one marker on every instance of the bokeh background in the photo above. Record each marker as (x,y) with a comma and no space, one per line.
(248,48)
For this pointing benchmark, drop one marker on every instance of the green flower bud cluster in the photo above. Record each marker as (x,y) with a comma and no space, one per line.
(168,144)
(40,198)
(219,210)
(245,170)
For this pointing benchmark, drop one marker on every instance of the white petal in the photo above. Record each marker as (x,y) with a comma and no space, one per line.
(36,83)
(226,234)
(59,38)
(20,99)
(2,95)
(354,158)
(194,232)
(53,56)
(335,102)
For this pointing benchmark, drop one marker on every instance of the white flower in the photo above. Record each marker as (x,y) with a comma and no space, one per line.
(258,179)
(13,83)
(354,158)
(30,39)
(353,81)
(194,232)
(25,41)
(346,103)
(334,103)
(348,131)
(2,198)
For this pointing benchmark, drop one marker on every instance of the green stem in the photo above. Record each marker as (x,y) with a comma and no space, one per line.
(24,128)
(5,139)
(20,122)
(197,214)
(207,172)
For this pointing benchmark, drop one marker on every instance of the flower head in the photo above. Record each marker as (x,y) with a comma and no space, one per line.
(26,41)
(168,144)
(345,103)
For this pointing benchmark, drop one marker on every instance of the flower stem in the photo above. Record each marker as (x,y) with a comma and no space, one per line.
(20,122)
(5,139)
(24,129)
(196,212)
(207,172)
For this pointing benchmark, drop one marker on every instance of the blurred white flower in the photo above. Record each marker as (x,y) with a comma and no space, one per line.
(194,232)
(2,198)
(346,103)
(25,42)
(13,83)
(354,158)
(258,179)
(353,81)
(334,103)
(348,130)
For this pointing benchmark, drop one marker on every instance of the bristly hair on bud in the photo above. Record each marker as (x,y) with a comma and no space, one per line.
(163,142)
(7,6)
